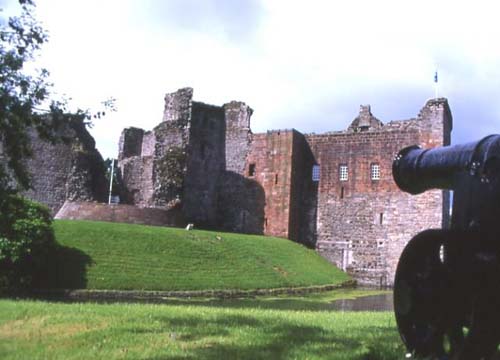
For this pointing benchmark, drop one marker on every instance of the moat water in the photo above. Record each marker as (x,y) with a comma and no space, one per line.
(382,302)
(379,302)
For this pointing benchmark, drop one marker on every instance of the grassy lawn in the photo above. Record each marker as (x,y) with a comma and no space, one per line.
(99,255)
(268,328)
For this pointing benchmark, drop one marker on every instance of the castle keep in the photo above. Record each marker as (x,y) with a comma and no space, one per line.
(332,191)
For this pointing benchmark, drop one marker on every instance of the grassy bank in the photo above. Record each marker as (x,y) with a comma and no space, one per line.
(38,330)
(98,255)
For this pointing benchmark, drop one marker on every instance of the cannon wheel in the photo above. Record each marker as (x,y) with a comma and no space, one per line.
(426,322)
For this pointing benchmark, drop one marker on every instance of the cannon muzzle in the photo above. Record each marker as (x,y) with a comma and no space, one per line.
(416,170)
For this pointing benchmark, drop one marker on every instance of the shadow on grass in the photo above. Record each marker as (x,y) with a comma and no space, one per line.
(243,337)
(66,269)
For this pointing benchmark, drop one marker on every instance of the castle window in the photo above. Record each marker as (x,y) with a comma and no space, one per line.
(343,172)
(275,179)
(315,173)
(202,150)
(342,192)
(375,171)
(251,170)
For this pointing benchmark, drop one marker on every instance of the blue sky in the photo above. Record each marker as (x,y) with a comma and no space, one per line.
(299,64)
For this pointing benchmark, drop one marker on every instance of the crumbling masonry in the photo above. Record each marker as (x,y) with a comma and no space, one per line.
(68,170)
(332,191)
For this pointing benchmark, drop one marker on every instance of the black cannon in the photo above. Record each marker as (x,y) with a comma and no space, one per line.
(447,285)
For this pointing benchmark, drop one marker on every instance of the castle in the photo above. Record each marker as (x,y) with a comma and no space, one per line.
(333,192)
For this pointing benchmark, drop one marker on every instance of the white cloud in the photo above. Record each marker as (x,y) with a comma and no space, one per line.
(299,64)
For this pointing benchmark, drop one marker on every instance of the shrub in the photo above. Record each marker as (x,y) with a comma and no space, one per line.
(26,239)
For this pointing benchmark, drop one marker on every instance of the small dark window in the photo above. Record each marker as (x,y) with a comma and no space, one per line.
(315,173)
(251,170)
(265,222)
(202,150)
(381,218)
(342,192)
(275,179)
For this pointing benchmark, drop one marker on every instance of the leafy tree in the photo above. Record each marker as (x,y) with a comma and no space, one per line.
(26,241)
(25,105)
(25,99)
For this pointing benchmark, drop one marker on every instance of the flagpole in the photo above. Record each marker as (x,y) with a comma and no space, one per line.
(111,181)
(436,84)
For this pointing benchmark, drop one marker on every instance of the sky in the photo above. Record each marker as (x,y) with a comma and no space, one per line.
(307,65)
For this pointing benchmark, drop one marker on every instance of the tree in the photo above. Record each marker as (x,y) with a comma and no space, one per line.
(21,94)
(25,105)
(25,99)
(26,242)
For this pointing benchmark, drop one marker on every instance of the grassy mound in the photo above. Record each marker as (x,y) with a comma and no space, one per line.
(98,255)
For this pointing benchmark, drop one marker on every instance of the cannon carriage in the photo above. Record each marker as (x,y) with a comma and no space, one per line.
(447,285)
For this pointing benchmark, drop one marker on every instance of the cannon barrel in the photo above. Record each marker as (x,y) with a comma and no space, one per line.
(447,280)
(416,170)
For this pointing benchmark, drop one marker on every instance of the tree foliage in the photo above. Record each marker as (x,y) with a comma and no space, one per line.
(25,98)
(26,240)
(26,106)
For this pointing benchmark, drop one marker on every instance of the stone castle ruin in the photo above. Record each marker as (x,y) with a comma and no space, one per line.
(333,192)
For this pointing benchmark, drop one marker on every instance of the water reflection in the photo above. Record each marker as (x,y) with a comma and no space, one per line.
(382,302)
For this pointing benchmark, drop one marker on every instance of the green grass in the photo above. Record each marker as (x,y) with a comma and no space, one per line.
(40,330)
(99,255)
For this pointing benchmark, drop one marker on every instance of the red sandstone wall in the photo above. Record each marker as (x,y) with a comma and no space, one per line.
(271,153)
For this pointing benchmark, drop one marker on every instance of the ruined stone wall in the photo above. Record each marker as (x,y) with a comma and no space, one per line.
(205,164)
(153,164)
(85,210)
(241,199)
(130,143)
(135,166)
(195,159)
(303,193)
(364,224)
(241,203)
(238,135)
(172,149)
(66,170)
